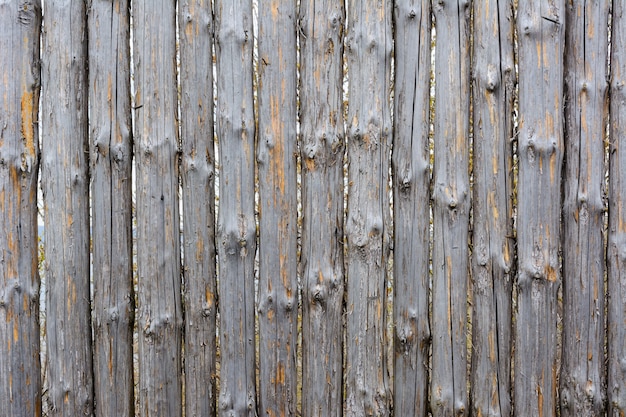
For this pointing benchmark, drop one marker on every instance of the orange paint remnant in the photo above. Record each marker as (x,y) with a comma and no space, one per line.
(552,167)
(270,315)
(492,347)
(379,309)
(199,250)
(550,273)
(209,296)
(589,355)
(320,276)
(16,331)
(66,397)
(110,360)
(28,130)
(280,374)
(310,164)
(539,54)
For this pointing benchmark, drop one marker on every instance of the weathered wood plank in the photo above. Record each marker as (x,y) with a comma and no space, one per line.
(65,183)
(586,94)
(276,156)
(20,383)
(540,26)
(368,49)
(322,151)
(236,232)
(111,159)
(411,176)
(451,203)
(493,256)
(195,22)
(616,387)
(159,312)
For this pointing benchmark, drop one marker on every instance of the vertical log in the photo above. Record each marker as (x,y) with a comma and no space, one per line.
(586,111)
(195,21)
(540,26)
(236,231)
(493,81)
(65,183)
(322,153)
(451,202)
(617,219)
(20,384)
(368,51)
(411,181)
(111,159)
(278,300)
(158,242)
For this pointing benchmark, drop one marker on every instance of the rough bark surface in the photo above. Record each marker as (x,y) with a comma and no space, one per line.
(158,239)
(195,22)
(236,231)
(411,183)
(368,49)
(540,26)
(617,219)
(451,203)
(276,156)
(322,151)
(65,183)
(586,97)
(20,382)
(493,256)
(111,159)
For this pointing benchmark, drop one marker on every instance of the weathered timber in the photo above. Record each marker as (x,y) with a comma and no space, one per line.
(195,22)
(111,159)
(582,381)
(159,312)
(493,257)
(20,383)
(616,253)
(65,183)
(540,28)
(451,203)
(411,182)
(368,50)
(236,231)
(276,156)
(322,151)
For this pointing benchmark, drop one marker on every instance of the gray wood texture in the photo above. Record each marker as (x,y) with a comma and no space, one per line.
(322,152)
(276,157)
(195,22)
(411,190)
(616,252)
(582,382)
(451,203)
(111,199)
(540,26)
(236,231)
(368,50)
(20,382)
(159,310)
(493,248)
(65,183)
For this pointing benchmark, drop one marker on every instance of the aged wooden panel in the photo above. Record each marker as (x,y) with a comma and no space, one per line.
(368,49)
(493,253)
(195,22)
(540,26)
(616,387)
(322,151)
(236,240)
(65,183)
(159,312)
(411,182)
(451,203)
(586,96)
(111,199)
(276,156)
(20,383)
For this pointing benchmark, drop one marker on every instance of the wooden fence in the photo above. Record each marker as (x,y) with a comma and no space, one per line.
(421,208)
